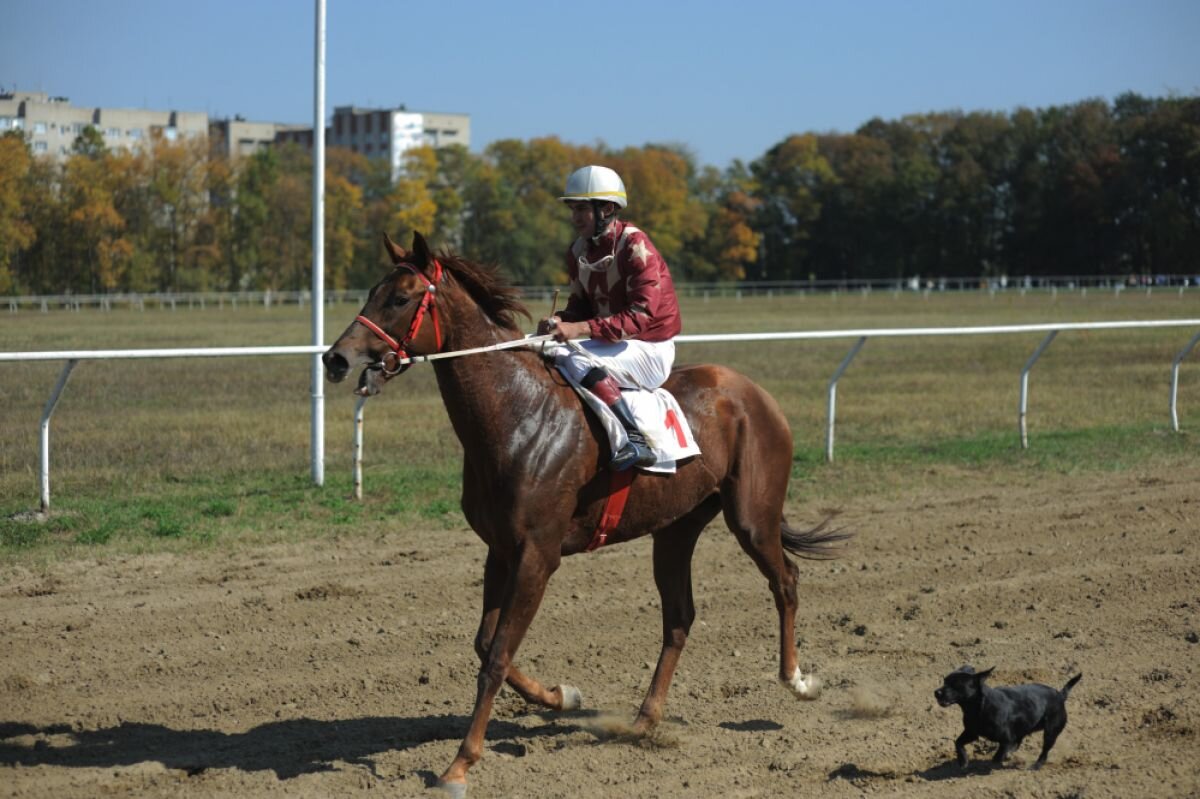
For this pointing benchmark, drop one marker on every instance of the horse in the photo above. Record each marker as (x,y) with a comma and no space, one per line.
(535,477)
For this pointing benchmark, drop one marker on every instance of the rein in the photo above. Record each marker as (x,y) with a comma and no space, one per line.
(409,360)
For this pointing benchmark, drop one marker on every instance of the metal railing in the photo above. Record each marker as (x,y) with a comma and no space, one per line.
(861,336)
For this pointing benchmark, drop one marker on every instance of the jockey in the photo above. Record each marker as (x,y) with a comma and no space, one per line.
(622,302)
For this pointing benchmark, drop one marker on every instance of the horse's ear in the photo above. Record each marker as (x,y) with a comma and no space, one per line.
(422,256)
(394,250)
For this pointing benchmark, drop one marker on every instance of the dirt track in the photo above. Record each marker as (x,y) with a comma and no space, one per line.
(336,668)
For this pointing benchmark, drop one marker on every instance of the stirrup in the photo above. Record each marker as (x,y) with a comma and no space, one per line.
(632,454)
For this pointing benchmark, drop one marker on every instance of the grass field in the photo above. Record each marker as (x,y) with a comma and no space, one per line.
(183,453)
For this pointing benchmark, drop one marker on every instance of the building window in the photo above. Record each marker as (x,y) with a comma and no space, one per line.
(171,134)
(353,125)
(78,127)
(134,133)
(39,127)
(112,133)
(5,122)
(449,132)
(369,148)
(39,146)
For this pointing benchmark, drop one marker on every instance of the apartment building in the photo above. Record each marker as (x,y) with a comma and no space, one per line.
(387,132)
(52,123)
(237,138)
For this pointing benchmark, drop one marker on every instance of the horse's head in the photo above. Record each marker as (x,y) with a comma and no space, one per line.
(399,319)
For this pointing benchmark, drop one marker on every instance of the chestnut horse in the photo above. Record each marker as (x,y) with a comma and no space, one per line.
(535,479)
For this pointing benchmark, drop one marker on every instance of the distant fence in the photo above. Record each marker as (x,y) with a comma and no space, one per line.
(72,358)
(186,300)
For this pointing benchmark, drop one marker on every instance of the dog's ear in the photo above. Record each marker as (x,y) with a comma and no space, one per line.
(983,675)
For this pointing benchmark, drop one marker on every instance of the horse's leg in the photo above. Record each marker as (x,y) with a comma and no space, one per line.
(753,506)
(673,547)
(522,595)
(561,697)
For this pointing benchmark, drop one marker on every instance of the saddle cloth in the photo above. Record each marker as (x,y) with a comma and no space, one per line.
(658,416)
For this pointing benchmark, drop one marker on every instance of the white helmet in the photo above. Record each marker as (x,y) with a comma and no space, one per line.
(595,183)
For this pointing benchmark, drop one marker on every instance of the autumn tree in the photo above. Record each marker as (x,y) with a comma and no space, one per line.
(658,179)
(730,245)
(17,231)
(787,179)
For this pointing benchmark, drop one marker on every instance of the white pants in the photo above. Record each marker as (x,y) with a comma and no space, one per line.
(633,363)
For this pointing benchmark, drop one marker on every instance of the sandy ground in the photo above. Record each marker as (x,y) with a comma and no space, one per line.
(344,667)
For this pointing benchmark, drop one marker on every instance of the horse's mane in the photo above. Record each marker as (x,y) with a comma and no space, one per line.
(488,288)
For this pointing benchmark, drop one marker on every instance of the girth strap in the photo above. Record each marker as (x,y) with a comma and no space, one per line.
(614,506)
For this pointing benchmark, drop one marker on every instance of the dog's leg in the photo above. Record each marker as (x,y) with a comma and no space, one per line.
(1004,751)
(1048,739)
(960,747)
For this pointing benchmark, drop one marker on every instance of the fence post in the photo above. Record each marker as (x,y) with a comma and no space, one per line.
(1023,405)
(44,447)
(1175,379)
(832,397)
(358,446)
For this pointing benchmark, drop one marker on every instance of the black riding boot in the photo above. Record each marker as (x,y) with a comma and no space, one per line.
(636,452)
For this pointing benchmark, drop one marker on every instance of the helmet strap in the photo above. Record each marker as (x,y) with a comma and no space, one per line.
(601,221)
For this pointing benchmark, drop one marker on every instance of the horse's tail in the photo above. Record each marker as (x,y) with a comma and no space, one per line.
(816,543)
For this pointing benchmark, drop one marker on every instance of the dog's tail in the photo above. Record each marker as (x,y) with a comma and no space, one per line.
(1071,684)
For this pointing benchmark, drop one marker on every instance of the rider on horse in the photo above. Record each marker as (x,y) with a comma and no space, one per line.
(622,301)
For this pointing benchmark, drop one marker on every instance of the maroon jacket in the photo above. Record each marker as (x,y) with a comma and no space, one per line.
(627,296)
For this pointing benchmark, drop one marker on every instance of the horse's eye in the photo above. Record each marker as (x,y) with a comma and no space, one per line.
(397,301)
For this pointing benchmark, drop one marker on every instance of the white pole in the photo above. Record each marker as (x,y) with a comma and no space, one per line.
(358,446)
(44,449)
(318,246)
(831,401)
(1023,401)
(1175,380)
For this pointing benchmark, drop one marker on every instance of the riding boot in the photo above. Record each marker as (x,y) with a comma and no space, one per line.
(636,452)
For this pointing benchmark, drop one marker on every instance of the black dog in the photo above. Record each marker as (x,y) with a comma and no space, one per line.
(1004,715)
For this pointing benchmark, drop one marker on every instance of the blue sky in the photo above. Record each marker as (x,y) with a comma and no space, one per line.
(726,79)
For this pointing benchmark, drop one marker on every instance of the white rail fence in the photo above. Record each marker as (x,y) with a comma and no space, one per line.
(72,358)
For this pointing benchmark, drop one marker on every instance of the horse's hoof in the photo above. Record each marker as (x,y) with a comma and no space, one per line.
(804,687)
(454,790)
(572,698)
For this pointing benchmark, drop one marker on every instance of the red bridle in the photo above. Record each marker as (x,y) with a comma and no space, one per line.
(399,349)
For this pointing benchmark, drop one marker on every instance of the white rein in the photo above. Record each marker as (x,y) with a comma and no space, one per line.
(528,341)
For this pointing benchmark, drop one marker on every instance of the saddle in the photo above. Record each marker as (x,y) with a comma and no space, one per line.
(658,416)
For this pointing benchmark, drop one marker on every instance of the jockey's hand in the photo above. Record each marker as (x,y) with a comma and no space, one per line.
(547,324)
(564,331)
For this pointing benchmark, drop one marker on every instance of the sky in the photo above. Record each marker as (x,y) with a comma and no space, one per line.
(727,80)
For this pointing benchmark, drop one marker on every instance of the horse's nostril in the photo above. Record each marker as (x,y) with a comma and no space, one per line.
(336,365)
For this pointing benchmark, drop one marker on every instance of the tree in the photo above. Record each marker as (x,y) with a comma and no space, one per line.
(255,186)
(90,143)
(17,232)
(95,249)
(658,179)
(730,245)
(176,185)
(788,177)
(514,217)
